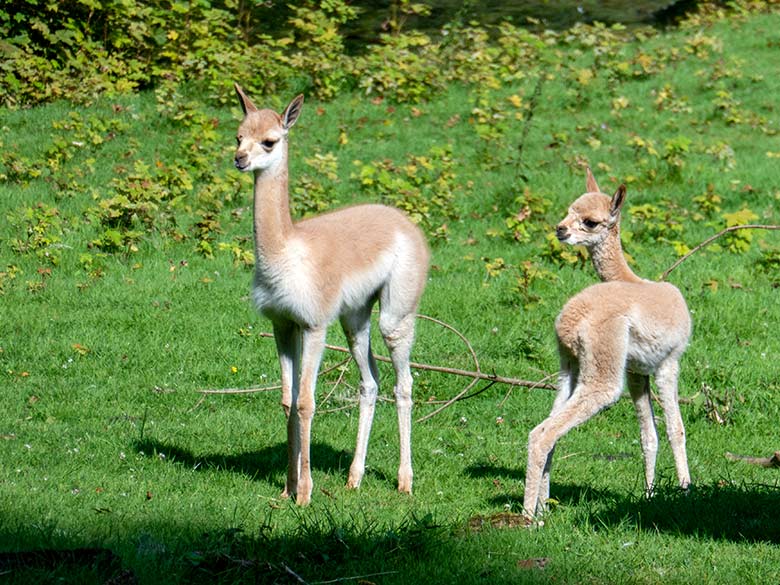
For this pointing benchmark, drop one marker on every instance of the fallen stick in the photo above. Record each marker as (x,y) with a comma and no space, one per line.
(463,338)
(338,381)
(773,461)
(415,365)
(267,388)
(359,578)
(542,384)
(444,370)
(711,239)
(293,574)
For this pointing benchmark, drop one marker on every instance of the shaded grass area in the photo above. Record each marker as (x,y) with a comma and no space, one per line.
(740,513)
(678,534)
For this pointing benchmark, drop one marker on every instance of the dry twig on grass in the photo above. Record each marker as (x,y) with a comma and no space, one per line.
(476,375)
(773,461)
(339,380)
(294,575)
(711,239)
(359,578)
(267,388)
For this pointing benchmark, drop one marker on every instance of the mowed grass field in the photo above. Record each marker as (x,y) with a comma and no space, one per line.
(114,468)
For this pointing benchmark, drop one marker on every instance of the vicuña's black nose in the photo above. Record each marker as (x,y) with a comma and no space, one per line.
(561,232)
(240,161)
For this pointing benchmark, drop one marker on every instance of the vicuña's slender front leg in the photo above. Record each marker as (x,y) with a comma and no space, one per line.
(288,345)
(313,342)
(541,441)
(357,327)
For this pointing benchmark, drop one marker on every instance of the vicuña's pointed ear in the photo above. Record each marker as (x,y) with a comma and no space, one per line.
(617,201)
(246,104)
(292,111)
(591,186)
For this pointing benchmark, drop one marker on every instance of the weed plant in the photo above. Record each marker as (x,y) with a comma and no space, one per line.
(125,263)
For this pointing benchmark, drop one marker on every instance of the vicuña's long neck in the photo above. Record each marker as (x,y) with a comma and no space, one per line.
(272,221)
(608,259)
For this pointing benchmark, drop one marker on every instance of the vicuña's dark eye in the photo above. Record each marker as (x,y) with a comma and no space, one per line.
(589,223)
(238,140)
(269,144)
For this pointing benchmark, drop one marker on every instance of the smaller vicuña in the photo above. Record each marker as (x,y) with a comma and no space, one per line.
(623,328)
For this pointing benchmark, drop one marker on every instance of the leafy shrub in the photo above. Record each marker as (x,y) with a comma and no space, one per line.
(75,49)
(529,273)
(520,50)
(769,262)
(424,187)
(493,121)
(78,50)
(205,229)
(16,169)
(655,222)
(318,45)
(7,276)
(469,53)
(675,152)
(739,241)
(563,255)
(83,49)
(240,249)
(143,199)
(41,228)
(313,193)
(530,208)
(708,203)
(403,68)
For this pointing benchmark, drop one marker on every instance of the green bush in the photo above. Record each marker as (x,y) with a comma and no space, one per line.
(424,187)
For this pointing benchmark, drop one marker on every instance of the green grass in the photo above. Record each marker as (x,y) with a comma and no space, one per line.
(107,450)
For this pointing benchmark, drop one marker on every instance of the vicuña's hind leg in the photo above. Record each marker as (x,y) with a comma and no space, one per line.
(357,328)
(666,380)
(399,337)
(639,387)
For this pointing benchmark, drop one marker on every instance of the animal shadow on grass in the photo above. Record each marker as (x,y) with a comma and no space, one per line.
(65,565)
(267,464)
(725,510)
(415,550)
(736,512)
(563,493)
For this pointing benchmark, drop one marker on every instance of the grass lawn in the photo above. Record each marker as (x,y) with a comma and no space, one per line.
(113,468)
